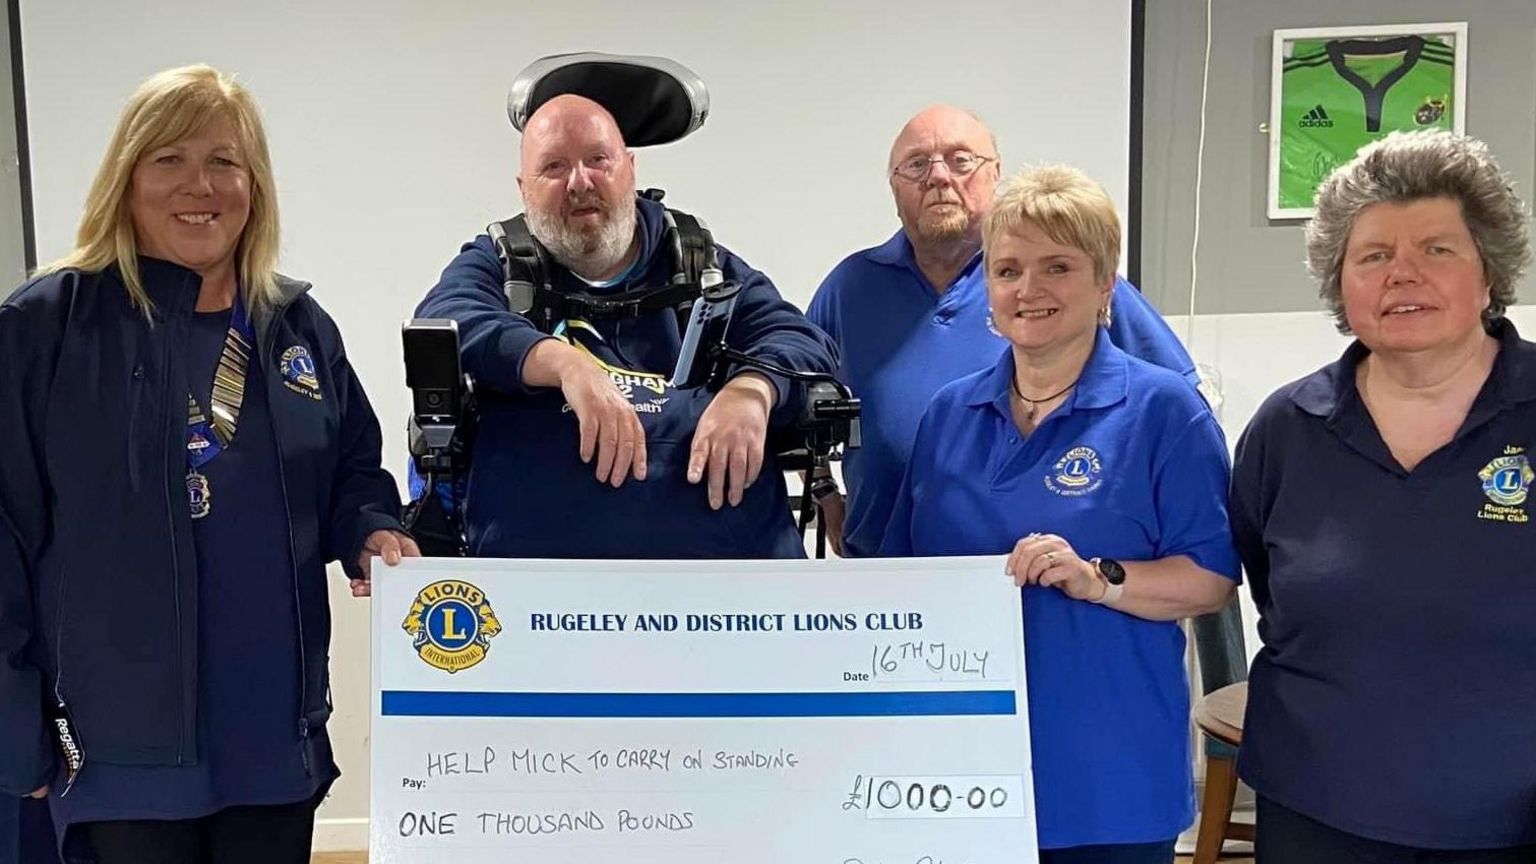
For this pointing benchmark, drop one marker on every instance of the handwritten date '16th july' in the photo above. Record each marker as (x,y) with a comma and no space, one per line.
(904,659)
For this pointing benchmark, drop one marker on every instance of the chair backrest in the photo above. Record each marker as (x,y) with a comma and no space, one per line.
(1223,659)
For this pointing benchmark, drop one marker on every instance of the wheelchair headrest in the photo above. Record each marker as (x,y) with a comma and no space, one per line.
(653,99)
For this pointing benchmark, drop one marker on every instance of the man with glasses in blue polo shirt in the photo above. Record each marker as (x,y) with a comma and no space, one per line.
(910,315)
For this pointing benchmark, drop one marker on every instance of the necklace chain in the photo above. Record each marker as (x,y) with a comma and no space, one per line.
(1031,403)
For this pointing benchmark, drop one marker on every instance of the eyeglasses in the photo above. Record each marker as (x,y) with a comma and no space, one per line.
(961,163)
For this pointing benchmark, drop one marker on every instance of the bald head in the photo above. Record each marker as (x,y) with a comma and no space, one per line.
(569,115)
(943,208)
(578,185)
(942,125)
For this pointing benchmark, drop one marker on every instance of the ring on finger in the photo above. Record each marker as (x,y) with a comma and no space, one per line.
(1050,560)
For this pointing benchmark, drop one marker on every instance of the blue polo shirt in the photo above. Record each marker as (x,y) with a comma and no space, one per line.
(1132,467)
(1395,695)
(901,341)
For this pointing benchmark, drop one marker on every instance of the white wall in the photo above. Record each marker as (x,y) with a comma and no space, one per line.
(391,144)
(1254,354)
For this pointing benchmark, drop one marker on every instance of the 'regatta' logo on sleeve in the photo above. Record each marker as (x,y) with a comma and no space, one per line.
(451,624)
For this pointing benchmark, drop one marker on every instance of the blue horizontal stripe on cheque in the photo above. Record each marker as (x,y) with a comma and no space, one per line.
(423,703)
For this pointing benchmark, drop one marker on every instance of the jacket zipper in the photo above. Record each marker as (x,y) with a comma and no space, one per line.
(298,607)
(293,558)
(170,525)
(135,396)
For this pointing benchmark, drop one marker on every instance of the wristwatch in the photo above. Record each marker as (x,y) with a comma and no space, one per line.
(1113,575)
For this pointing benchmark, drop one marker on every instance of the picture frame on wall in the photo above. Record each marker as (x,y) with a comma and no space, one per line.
(1336,89)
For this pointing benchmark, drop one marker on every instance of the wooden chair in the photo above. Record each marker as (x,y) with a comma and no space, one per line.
(1220,715)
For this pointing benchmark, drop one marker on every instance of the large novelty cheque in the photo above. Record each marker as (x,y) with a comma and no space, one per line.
(758,711)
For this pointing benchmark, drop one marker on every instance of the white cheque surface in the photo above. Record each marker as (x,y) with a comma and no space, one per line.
(741,712)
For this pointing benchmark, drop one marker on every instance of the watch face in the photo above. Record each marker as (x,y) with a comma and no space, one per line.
(1111,570)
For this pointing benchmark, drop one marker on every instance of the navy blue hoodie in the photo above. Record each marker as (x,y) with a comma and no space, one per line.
(98,575)
(529,495)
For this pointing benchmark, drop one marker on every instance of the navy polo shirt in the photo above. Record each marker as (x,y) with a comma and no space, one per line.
(1395,695)
(901,341)
(1132,467)
(249,748)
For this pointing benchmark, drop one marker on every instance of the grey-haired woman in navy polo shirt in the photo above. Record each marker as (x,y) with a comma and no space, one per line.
(1382,509)
(1104,479)
(185,448)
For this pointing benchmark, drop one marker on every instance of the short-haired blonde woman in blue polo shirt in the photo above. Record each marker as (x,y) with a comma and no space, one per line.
(1381,506)
(1104,478)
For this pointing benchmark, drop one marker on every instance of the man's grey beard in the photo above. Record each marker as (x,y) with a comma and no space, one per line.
(946,229)
(586,255)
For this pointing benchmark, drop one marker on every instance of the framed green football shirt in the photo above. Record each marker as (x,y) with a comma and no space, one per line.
(1338,95)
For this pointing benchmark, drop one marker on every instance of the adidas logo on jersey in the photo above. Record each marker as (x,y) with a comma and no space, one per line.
(1316,117)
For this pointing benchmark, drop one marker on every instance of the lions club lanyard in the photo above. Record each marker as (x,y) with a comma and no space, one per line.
(207,438)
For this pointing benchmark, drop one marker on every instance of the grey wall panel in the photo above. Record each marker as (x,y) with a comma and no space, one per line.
(1247,262)
(13,255)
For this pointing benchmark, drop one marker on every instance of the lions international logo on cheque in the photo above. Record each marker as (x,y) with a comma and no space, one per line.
(451,624)
(1077,472)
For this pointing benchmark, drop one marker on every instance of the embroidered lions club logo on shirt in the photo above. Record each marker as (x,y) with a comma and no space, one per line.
(1507,483)
(1078,472)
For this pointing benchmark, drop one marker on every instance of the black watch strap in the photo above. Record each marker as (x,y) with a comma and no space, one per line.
(823,487)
